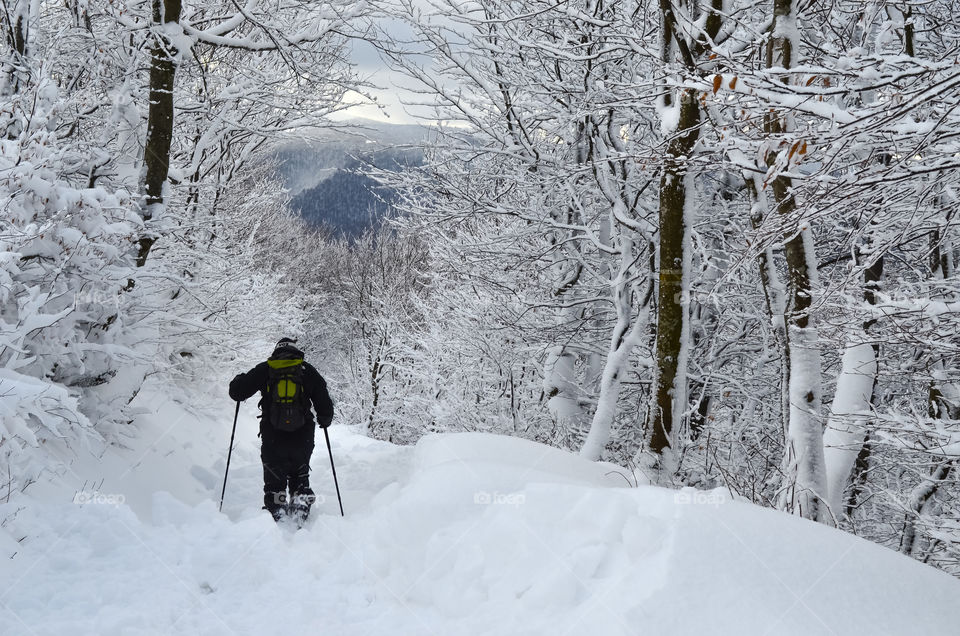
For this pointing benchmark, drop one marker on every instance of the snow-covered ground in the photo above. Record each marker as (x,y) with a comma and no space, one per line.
(464,534)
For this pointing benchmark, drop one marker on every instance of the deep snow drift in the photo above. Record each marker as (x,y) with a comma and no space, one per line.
(464,534)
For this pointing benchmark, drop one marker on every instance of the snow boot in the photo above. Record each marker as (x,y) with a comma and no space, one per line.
(277,504)
(299,508)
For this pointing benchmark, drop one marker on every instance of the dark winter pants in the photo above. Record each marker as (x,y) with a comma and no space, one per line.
(286,466)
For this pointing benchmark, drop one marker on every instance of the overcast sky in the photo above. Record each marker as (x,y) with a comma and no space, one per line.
(390,84)
(388,94)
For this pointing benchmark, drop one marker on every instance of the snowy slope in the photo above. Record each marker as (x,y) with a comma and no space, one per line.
(464,534)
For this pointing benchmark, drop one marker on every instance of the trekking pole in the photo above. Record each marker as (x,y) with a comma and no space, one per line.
(229,453)
(334,469)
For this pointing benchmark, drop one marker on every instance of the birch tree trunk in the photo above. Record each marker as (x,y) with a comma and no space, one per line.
(845,434)
(804,481)
(845,439)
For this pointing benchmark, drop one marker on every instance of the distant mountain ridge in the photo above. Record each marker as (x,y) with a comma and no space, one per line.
(324,173)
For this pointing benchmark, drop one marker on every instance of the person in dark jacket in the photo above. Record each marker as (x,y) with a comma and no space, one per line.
(286,446)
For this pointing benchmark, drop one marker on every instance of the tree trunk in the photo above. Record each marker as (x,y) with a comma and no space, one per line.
(805,483)
(845,434)
(15,22)
(622,342)
(846,449)
(669,387)
(918,502)
(943,402)
(156,149)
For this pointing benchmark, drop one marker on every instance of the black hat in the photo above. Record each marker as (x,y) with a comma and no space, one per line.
(285,343)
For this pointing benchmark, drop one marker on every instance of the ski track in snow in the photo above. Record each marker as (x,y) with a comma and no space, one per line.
(464,534)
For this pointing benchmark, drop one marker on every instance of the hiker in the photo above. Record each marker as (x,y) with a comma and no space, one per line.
(287,385)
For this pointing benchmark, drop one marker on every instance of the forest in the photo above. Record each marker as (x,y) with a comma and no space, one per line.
(710,241)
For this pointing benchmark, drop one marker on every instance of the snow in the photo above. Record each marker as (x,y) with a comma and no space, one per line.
(465,533)
(669,115)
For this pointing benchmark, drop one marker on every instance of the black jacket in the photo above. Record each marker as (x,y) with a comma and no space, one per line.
(256,379)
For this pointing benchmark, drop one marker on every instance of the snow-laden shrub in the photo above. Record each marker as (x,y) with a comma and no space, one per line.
(68,314)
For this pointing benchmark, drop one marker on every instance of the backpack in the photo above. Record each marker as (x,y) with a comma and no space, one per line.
(289,408)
